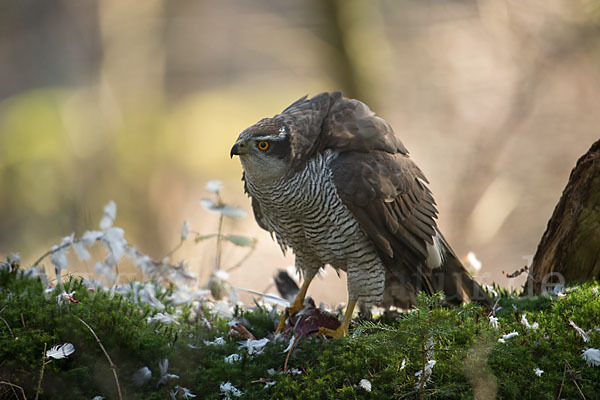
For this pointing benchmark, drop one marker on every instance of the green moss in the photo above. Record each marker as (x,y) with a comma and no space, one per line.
(469,359)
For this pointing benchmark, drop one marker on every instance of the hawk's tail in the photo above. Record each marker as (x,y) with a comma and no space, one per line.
(457,284)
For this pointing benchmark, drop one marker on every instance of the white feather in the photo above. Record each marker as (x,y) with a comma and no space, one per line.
(61,351)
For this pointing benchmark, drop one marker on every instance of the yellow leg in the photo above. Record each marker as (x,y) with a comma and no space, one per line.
(297,304)
(343,329)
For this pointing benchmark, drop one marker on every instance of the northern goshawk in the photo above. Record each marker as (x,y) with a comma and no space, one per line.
(331,180)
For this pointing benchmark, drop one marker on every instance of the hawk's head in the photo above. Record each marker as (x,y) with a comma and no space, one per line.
(264,150)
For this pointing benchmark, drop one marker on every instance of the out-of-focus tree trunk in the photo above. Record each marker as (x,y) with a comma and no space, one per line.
(570,248)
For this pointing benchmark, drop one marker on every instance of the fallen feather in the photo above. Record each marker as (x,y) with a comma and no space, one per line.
(61,351)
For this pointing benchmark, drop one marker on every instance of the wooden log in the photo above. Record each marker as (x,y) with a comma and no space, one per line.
(570,248)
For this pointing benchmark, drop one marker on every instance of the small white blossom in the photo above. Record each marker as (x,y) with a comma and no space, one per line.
(526,324)
(403,365)
(214,186)
(142,376)
(228,390)
(110,213)
(493,321)
(538,372)
(254,346)
(219,341)
(591,356)
(580,331)
(365,384)
(427,377)
(232,358)
(185,230)
(60,351)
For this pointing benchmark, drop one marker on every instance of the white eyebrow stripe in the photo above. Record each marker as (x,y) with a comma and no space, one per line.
(270,137)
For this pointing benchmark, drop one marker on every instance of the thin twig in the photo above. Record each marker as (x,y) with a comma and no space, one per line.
(12,385)
(571,371)
(170,253)
(44,363)
(22,320)
(8,326)
(239,263)
(562,382)
(219,244)
(51,251)
(112,365)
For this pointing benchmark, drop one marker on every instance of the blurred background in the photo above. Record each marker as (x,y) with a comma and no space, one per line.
(140,102)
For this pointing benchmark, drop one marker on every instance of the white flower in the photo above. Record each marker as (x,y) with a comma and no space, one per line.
(254,346)
(165,318)
(59,258)
(591,356)
(526,324)
(580,331)
(62,351)
(233,358)
(538,372)
(365,384)
(511,335)
(473,261)
(142,376)
(427,377)
(164,375)
(185,230)
(493,321)
(110,213)
(228,390)
(219,341)
(403,365)
(214,186)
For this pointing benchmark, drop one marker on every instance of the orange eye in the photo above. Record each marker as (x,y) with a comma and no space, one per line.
(263,145)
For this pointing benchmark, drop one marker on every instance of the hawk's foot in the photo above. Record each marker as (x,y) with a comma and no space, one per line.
(289,311)
(333,333)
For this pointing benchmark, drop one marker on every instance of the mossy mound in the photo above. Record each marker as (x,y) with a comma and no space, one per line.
(470,362)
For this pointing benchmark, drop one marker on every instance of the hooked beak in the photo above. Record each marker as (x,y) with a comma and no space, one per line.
(236,150)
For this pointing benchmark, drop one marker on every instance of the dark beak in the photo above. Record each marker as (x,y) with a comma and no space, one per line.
(236,150)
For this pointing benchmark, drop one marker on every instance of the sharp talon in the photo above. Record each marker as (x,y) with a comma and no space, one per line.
(333,333)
